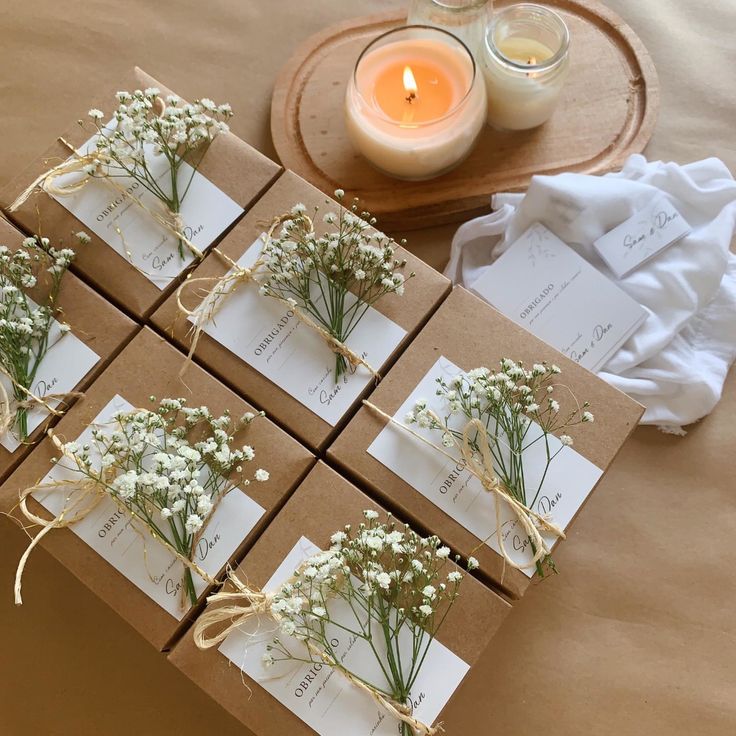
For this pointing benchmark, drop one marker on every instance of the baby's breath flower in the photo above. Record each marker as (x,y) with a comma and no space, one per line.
(161,474)
(351,261)
(144,127)
(393,597)
(24,324)
(506,403)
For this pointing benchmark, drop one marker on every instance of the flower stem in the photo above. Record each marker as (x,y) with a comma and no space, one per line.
(175,203)
(189,585)
(21,416)
(340,366)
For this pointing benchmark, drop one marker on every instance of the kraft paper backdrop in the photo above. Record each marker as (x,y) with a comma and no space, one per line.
(637,634)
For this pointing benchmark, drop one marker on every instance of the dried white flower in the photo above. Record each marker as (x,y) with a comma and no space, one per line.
(350,261)
(161,473)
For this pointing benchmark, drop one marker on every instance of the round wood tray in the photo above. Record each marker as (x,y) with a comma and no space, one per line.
(608,111)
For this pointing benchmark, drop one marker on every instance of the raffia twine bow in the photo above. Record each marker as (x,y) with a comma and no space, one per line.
(83,495)
(224,286)
(9,408)
(480,464)
(77,164)
(246,603)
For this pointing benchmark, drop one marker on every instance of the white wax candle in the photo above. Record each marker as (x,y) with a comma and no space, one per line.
(525,64)
(519,99)
(415,106)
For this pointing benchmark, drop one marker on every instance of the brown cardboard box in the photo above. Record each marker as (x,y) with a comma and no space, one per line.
(423,294)
(150,366)
(323,504)
(94,321)
(470,333)
(231,164)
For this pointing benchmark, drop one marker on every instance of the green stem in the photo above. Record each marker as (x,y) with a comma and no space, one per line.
(189,585)
(175,203)
(21,417)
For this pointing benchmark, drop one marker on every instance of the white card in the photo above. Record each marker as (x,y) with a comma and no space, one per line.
(322,697)
(546,287)
(271,339)
(66,362)
(447,484)
(133,232)
(642,236)
(147,563)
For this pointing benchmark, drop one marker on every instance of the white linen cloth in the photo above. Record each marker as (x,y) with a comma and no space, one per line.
(676,363)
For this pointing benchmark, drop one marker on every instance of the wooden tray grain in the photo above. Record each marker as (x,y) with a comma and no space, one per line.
(608,111)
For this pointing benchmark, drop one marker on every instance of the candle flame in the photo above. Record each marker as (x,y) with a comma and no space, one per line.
(410,84)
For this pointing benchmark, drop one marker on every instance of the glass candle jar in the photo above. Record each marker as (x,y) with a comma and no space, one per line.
(525,64)
(415,102)
(466,19)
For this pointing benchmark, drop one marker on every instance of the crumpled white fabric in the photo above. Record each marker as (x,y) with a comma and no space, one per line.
(676,363)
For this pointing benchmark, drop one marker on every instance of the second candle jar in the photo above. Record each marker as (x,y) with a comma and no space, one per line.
(525,64)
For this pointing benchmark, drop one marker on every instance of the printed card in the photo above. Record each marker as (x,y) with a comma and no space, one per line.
(546,287)
(323,698)
(445,482)
(132,231)
(66,362)
(643,236)
(147,563)
(269,337)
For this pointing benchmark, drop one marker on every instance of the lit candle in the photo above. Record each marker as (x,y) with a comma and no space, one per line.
(415,104)
(525,66)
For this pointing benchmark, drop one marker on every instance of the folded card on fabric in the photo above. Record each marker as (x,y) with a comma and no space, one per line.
(642,236)
(546,287)
(111,532)
(323,698)
(441,476)
(271,338)
(123,212)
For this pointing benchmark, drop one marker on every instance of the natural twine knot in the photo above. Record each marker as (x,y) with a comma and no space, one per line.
(83,495)
(83,165)
(246,602)
(224,286)
(479,463)
(9,408)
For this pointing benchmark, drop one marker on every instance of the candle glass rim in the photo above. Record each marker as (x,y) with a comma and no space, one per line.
(555,60)
(426,123)
(469,5)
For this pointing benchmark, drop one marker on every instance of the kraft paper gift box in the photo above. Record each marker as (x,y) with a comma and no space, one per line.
(133,573)
(133,260)
(98,332)
(305,700)
(254,345)
(435,490)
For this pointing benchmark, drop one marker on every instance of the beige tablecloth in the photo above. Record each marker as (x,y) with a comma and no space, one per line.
(638,633)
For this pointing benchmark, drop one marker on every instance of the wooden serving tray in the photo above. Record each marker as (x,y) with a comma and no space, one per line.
(607,112)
